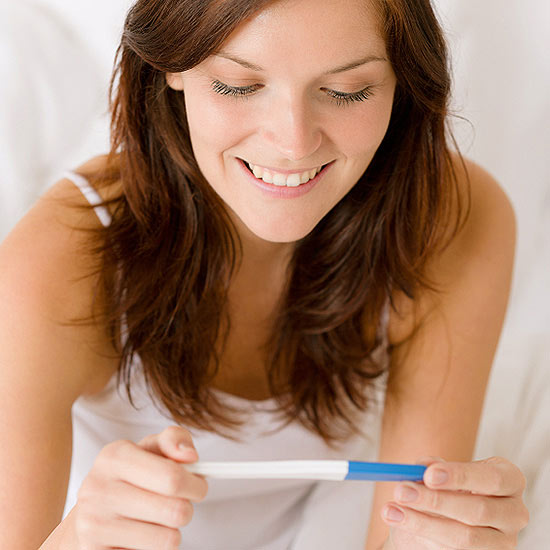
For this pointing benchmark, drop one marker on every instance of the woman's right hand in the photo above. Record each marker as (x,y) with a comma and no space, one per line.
(137,496)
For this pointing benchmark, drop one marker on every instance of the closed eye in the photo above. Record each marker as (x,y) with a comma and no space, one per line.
(340,98)
(343,98)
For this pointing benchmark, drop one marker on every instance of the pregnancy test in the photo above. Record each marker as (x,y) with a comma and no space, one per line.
(333,470)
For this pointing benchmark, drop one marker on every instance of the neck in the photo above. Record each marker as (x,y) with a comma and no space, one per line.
(261,256)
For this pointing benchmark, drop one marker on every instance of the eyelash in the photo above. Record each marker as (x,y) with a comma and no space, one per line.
(340,98)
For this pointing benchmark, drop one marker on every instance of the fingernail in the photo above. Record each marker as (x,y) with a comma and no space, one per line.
(187,449)
(438,477)
(394,514)
(407,494)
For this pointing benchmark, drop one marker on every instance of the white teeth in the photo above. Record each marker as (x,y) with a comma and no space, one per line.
(293,180)
(278,179)
(281,180)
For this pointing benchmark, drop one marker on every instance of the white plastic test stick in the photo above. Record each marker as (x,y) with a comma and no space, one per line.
(335,470)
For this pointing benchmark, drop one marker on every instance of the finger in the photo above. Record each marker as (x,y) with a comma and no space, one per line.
(495,477)
(130,463)
(137,535)
(503,513)
(446,532)
(174,442)
(428,461)
(142,505)
(399,538)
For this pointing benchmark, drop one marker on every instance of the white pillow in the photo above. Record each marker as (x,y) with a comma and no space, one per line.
(51,91)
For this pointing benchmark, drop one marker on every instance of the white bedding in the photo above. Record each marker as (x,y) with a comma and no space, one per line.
(55,58)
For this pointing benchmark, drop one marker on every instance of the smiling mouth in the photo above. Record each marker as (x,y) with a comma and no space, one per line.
(283,180)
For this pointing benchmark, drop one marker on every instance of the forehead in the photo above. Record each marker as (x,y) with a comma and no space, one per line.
(300,30)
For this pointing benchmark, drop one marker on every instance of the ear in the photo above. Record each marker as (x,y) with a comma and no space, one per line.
(175,81)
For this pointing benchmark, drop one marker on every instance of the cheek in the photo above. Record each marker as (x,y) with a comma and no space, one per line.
(213,124)
(217,124)
(363,132)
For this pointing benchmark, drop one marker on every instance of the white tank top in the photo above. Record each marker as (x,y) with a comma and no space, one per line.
(239,514)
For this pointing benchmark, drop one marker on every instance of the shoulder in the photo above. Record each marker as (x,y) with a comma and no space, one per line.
(490,205)
(482,251)
(47,281)
(66,196)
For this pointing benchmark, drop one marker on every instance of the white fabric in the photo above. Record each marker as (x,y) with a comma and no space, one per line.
(92,196)
(236,514)
(237,508)
(516,423)
(502,84)
(55,60)
(50,88)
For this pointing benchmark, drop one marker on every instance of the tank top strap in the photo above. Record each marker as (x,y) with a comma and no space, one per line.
(95,200)
(92,196)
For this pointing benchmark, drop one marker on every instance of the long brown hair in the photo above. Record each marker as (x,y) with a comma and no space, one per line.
(167,258)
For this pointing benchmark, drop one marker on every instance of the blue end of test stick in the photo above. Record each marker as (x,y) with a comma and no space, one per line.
(381,471)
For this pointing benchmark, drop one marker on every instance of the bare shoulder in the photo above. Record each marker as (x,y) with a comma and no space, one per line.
(67,197)
(489,202)
(46,361)
(483,249)
(443,341)
(47,281)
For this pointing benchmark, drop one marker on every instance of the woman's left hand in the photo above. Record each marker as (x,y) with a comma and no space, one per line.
(479,506)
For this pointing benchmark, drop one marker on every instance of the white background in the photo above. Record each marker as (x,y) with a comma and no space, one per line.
(55,62)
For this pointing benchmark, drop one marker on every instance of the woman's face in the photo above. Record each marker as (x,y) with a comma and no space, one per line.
(276,96)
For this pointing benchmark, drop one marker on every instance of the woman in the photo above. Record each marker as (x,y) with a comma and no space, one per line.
(279,214)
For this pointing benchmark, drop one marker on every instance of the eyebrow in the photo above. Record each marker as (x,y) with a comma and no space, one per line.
(340,69)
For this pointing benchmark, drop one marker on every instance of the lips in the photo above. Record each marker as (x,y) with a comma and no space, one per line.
(282,178)
(283,192)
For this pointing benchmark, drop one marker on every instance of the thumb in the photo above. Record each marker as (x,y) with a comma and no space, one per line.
(428,460)
(174,442)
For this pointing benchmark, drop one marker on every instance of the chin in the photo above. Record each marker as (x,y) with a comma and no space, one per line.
(278,234)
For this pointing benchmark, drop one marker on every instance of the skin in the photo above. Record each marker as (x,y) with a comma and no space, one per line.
(290,121)
(137,495)
(437,385)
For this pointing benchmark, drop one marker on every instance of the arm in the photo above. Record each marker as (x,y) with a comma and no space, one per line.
(44,367)
(135,494)
(438,376)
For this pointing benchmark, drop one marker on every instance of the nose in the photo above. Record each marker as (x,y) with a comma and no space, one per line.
(290,127)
